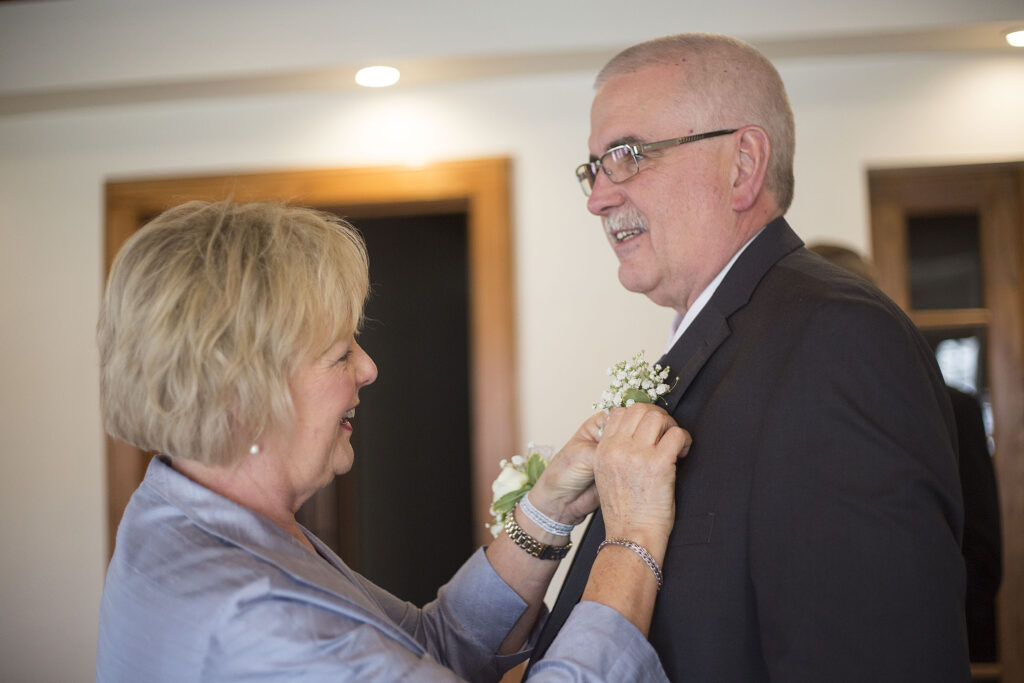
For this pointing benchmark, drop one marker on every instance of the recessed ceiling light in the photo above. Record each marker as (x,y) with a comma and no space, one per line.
(377,76)
(1015,38)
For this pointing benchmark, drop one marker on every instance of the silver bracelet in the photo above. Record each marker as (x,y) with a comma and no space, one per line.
(543,521)
(639,550)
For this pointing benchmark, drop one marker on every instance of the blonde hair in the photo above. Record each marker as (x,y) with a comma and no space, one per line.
(728,84)
(208,310)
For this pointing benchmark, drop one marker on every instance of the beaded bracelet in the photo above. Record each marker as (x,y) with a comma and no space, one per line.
(543,521)
(639,550)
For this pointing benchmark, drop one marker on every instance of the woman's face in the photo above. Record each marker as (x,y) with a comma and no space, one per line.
(325,393)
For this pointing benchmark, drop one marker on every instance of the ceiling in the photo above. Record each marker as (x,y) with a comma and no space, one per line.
(61,54)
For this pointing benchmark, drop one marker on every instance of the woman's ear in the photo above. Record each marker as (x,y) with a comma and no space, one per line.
(751,166)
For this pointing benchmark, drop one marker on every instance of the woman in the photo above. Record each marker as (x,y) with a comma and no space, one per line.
(227,344)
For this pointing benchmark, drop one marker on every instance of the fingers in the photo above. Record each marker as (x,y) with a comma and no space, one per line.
(675,441)
(642,421)
(593,428)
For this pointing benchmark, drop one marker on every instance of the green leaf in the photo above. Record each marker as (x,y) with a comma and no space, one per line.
(534,467)
(509,500)
(638,396)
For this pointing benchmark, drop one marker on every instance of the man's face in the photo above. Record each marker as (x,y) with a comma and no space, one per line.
(669,224)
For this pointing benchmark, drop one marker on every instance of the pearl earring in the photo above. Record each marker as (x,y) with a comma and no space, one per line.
(254,449)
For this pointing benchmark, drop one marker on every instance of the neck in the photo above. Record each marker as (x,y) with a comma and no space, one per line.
(251,484)
(744,230)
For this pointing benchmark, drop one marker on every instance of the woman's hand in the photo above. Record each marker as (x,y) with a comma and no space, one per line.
(635,471)
(565,491)
(635,474)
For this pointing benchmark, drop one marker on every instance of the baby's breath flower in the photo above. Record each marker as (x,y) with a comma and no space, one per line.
(634,381)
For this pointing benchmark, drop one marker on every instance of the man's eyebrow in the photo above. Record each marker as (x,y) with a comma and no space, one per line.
(618,142)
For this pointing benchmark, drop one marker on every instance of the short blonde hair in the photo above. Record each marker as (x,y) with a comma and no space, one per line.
(729,84)
(208,310)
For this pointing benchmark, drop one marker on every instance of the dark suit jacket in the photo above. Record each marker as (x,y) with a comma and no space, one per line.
(983,545)
(818,524)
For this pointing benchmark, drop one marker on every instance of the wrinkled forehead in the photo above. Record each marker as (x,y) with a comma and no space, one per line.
(641,106)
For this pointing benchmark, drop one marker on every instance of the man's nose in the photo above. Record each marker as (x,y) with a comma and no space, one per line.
(604,195)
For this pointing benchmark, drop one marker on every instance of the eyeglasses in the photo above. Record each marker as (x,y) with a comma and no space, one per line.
(623,162)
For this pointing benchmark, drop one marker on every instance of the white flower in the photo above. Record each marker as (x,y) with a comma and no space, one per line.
(516,477)
(510,479)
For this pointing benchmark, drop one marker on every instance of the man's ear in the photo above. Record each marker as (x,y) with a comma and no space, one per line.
(751,166)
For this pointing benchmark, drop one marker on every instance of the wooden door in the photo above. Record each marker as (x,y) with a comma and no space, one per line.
(978,213)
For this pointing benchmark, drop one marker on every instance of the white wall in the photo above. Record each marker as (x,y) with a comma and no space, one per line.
(574,319)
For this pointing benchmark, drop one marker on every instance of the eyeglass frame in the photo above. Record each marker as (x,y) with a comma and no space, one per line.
(586,173)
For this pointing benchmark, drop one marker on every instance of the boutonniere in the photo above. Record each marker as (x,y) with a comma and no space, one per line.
(517,476)
(634,381)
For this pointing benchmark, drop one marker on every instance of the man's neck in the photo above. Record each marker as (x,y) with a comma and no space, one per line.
(686,316)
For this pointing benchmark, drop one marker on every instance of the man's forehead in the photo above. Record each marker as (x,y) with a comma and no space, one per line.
(635,107)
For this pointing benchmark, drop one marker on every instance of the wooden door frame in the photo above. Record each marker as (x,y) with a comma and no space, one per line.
(480,188)
(996,193)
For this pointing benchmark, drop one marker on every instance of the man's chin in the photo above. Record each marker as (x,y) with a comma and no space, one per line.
(639,284)
(633,280)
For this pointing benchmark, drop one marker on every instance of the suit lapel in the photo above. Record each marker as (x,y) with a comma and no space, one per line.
(691,352)
(572,589)
(711,326)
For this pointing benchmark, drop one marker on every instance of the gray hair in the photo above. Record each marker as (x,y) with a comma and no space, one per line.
(732,85)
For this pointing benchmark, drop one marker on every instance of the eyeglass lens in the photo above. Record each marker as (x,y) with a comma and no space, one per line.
(618,163)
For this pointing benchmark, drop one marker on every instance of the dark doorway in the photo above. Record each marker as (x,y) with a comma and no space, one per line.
(403,516)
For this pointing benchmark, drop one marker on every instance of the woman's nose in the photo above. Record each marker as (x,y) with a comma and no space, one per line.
(367,369)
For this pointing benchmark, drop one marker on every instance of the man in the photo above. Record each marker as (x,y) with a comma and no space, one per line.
(818,512)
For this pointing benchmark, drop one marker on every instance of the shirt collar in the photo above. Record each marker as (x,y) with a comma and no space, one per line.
(681,322)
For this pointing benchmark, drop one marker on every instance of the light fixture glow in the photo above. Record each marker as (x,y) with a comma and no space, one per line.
(1015,38)
(377,76)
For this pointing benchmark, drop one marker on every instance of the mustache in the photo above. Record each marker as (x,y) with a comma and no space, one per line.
(627,219)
